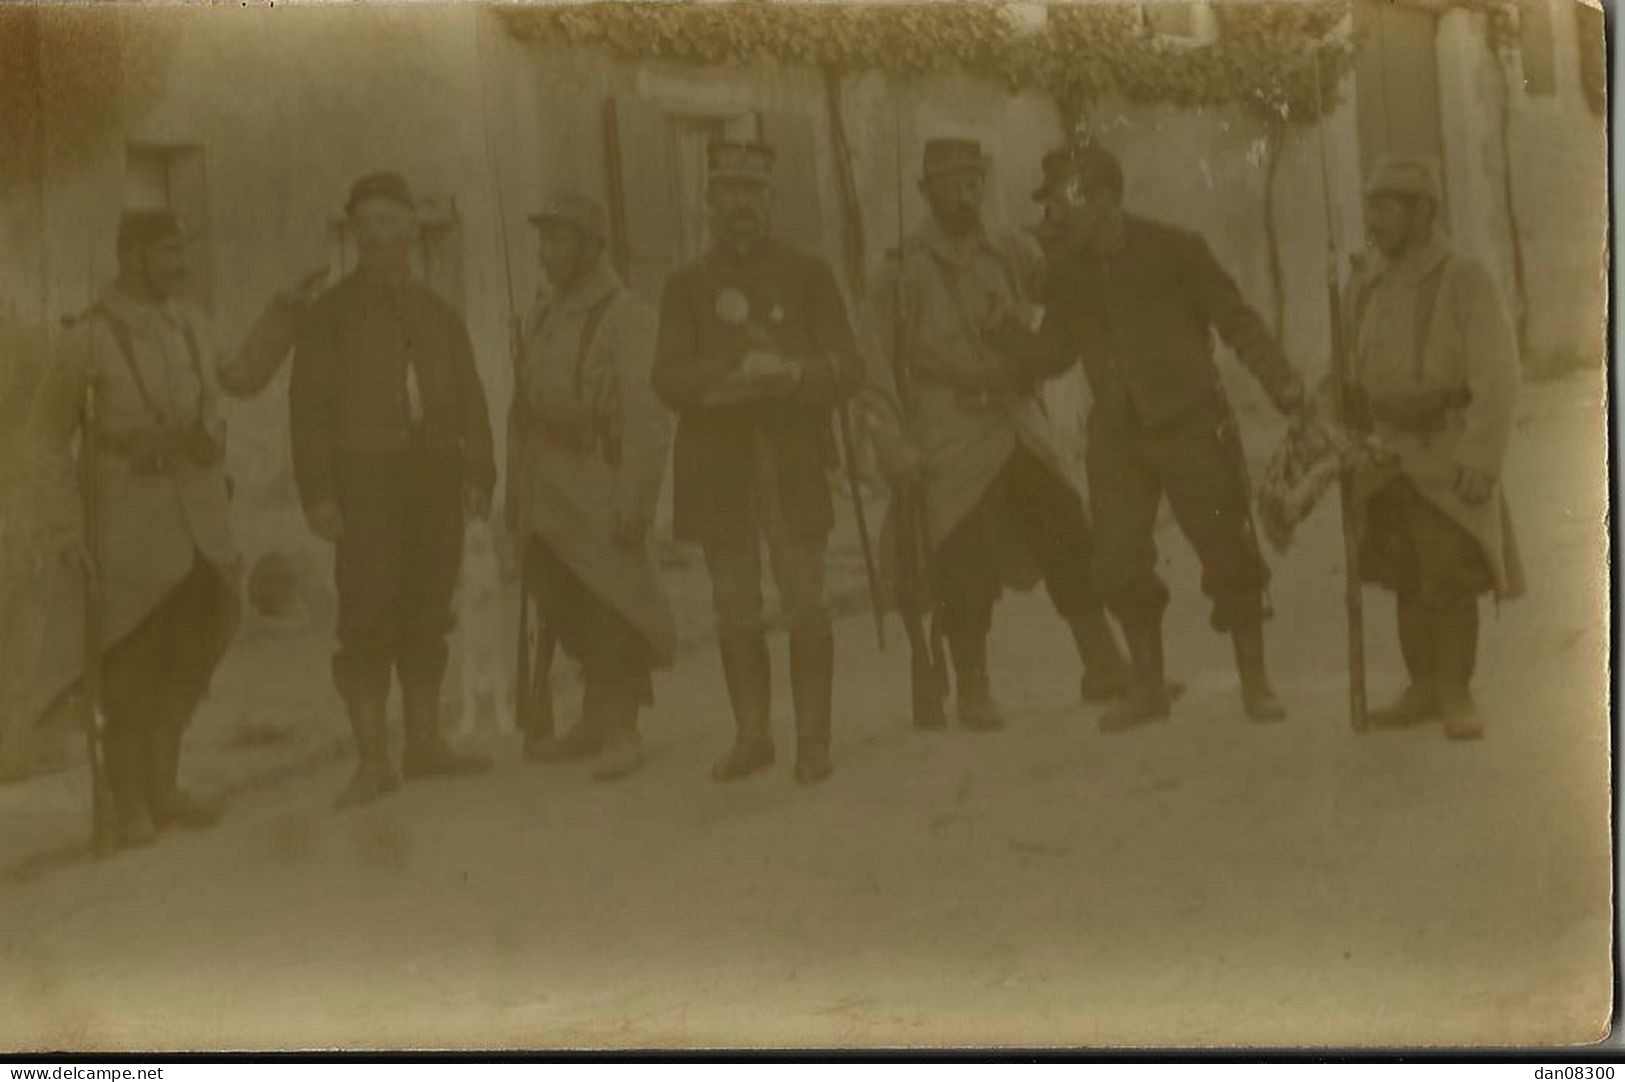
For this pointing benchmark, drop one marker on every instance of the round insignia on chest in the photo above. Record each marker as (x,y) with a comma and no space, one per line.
(732,307)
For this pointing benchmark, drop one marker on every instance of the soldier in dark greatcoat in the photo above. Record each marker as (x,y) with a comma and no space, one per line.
(754,351)
(392,452)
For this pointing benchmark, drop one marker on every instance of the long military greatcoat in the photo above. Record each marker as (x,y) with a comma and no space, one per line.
(152,524)
(966,417)
(588,440)
(1467,343)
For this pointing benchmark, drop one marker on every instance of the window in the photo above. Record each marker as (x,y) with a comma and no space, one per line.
(690,135)
(1179,22)
(1536,46)
(171,177)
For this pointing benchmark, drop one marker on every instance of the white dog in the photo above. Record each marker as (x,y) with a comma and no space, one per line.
(483,650)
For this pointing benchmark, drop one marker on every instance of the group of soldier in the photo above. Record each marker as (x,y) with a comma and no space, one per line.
(754,353)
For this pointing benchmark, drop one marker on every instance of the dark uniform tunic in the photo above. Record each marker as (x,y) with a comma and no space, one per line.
(1142,319)
(389,421)
(756,468)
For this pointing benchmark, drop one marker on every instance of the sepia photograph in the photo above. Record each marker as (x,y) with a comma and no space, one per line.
(673,525)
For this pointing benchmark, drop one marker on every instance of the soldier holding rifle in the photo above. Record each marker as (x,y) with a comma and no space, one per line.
(754,353)
(1434,376)
(587,447)
(155,535)
(1001,503)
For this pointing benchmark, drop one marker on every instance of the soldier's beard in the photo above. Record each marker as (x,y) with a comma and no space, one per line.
(958,221)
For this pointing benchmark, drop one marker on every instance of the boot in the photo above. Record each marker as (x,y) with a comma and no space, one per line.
(1419,702)
(812,678)
(926,691)
(977,710)
(427,754)
(170,804)
(1257,697)
(615,710)
(749,676)
(1106,674)
(1147,697)
(374,777)
(127,756)
(1455,640)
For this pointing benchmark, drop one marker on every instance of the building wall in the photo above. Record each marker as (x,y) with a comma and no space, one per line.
(1548,148)
(291,104)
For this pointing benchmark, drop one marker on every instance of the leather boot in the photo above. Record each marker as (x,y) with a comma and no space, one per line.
(1106,674)
(615,708)
(812,679)
(974,699)
(374,777)
(127,756)
(427,755)
(749,676)
(1455,639)
(1418,703)
(1258,699)
(1147,697)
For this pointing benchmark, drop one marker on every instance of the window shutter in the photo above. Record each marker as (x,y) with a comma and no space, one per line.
(798,217)
(644,215)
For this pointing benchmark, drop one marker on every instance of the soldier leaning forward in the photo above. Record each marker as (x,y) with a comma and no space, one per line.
(391,449)
(1138,301)
(1434,361)
(587,447)
(754,352)
(164,548)
(1000,496)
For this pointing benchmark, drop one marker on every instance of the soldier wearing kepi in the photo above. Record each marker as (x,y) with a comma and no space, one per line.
(754,353)
(1434,362)
(165,551)
(1001,499)
(587,447)
(392,451)
(1138,301)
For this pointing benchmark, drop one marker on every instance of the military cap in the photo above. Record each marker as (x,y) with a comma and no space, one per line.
(739,161)
(390,186)
(1407,176)
(573,208)
(139,228)
(1088,161)
(944,156)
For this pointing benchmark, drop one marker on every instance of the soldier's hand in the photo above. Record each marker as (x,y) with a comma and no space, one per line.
(476,505)
(302,293)
(326,522)
(629,530)
(1473,486)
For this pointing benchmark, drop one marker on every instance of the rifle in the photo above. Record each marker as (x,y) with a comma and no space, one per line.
(533,691)
(927,677)
(844,427)
(104,829)
(1353,602)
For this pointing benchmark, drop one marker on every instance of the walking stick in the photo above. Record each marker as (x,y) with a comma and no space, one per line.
(103,827)
(1353,602)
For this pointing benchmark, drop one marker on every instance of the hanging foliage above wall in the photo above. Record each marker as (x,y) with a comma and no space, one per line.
(1262,57)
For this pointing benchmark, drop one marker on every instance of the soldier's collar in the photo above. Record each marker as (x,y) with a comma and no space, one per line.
(1421,260)
(940,241)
